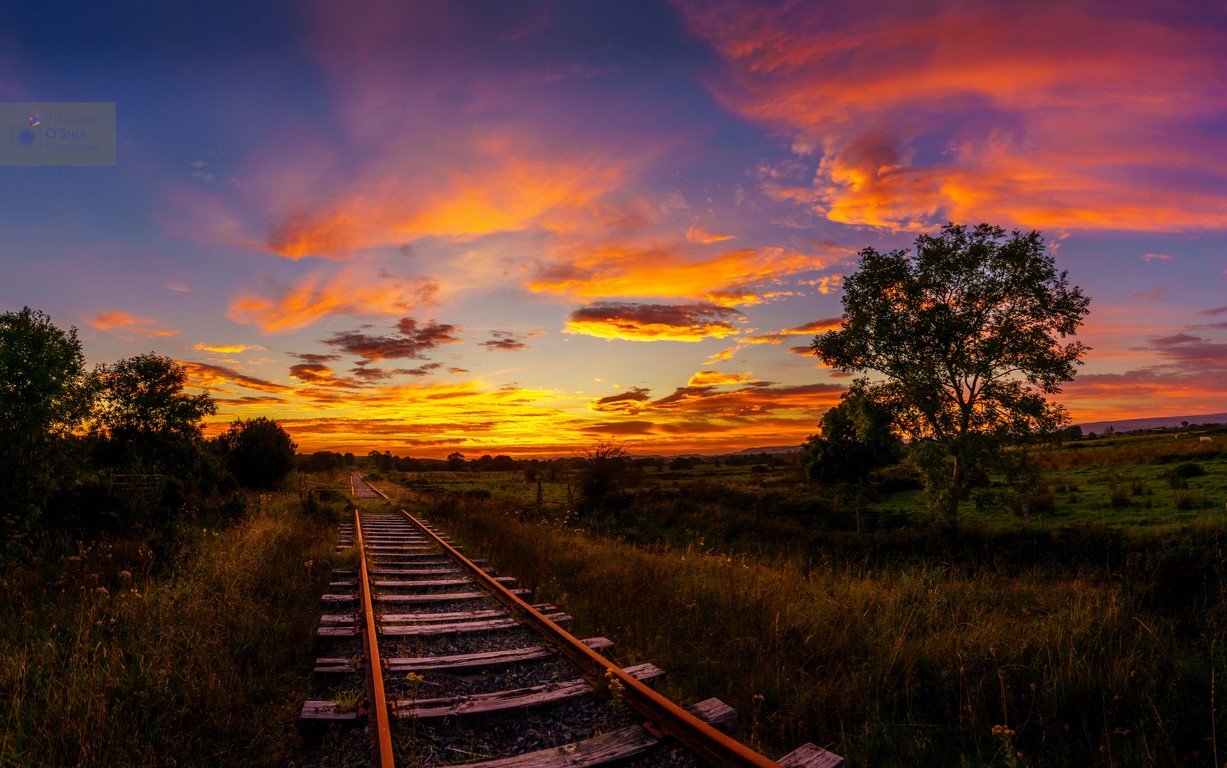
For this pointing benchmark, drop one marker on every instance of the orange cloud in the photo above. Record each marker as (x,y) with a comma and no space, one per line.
(724,354)
(122,322)
(695,234)
(727,279)
(1179,372)
(653,322)
(757,400)
(471,186)
(808,329)
(629,402)
(220,378)
(226,349)
(716,378)
(349,291)
(1058,116)
(824,284)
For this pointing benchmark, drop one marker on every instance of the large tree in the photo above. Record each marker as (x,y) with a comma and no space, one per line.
(147,420)
(144,395)
(961,341)
(259,452)
(43,399)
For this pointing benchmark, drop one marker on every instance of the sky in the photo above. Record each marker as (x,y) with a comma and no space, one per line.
(527,227)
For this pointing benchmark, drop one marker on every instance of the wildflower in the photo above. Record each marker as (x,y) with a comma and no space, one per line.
(615,689)
(103,591)
(125,575)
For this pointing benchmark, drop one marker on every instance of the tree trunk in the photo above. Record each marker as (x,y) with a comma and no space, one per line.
(955,492)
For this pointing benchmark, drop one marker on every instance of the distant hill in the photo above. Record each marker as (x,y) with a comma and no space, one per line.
(1125,425)
(767,449)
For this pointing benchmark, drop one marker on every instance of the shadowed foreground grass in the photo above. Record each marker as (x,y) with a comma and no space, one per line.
(916,663)
(104,664)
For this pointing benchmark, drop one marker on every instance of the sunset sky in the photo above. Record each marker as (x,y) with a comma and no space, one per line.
(525,227)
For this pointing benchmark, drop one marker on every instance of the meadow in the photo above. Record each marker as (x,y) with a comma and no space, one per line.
(189,646)
(1090,635)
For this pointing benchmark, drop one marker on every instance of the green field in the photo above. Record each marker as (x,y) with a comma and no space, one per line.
(1119,481)
(1093,636)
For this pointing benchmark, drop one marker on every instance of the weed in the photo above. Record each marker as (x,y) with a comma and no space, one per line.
(1187,499)
(856,650)
(615,688)
(180,665)
(349,699)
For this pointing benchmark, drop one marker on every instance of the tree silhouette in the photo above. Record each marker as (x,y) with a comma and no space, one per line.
(854,438)
(259,452)
(44,397)
(964,339)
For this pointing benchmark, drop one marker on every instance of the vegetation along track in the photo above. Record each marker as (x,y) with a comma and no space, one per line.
(461,670)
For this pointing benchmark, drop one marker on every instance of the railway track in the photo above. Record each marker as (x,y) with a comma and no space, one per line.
(446,663)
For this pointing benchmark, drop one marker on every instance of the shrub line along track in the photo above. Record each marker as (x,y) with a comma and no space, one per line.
(659,717)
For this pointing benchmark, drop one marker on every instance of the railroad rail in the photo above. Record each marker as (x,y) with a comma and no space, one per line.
(435,688)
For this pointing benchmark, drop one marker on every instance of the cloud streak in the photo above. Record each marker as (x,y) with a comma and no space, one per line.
(653,322)
(350,291)
(733,278)
(125,325)
(1056,116)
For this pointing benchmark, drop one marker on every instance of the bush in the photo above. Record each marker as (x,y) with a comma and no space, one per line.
(259,452)
(1188,469)
(1186,499)
(1039,501)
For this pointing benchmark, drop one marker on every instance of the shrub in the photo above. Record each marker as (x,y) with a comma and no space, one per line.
(1186,499)
(1039,501)
(1188,469)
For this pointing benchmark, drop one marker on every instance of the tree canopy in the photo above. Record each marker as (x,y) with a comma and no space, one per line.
(967,336)
(143,395)
(259,452)
(43,398)
(854,438)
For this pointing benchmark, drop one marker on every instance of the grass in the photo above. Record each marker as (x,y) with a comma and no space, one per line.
(108,658)
(1119,481)
(921,651)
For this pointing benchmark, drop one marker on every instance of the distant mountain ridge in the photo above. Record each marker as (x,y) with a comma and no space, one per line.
(766,449)
(1124,425)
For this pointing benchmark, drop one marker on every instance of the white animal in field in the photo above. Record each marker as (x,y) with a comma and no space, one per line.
(1205,439)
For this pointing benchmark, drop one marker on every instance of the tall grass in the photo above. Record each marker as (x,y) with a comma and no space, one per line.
(103,663)
(922,662)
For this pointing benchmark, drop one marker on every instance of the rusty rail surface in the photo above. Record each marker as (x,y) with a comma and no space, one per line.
(377,716)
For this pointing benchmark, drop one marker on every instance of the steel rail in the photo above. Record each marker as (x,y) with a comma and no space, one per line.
(663,715)
(367,483)
(377,716)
